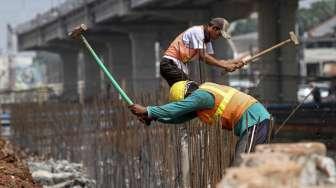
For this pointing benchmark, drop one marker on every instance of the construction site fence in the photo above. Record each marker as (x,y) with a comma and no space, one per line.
(117,149)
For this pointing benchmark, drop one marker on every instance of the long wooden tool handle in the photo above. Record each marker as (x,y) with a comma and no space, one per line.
(268,50)
(107,73)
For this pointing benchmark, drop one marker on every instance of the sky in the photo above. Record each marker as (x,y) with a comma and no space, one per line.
(14,12)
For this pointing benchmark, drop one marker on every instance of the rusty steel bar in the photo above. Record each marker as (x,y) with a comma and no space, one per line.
(117,150)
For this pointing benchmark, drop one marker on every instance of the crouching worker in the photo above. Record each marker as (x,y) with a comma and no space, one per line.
(212,102)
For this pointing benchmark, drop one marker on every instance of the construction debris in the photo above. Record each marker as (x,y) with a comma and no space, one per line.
(283,165)
(57,174)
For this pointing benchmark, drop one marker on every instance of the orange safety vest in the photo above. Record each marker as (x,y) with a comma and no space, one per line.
(230,104)
(180,51)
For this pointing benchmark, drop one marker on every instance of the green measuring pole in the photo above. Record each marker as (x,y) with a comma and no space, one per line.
(107,73)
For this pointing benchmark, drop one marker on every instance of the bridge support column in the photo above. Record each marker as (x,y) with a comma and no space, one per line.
(70,76)
(119,61)
(143,61)
(276,19)
(92,74)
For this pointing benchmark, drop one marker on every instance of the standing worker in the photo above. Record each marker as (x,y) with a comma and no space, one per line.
(194,43)
(210,102)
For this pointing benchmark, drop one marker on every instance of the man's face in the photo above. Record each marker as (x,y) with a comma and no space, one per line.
(214,32)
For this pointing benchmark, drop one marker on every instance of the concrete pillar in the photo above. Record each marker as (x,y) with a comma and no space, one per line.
(70,76)
(279,68)
(92,73)
(289,53)
(143,61)
(119,61)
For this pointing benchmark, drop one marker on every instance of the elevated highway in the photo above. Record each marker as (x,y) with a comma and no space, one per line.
(126,34)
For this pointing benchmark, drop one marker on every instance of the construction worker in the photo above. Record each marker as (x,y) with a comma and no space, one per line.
(194,43)
(212,102)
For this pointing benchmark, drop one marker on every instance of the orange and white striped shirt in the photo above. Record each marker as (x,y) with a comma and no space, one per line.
(184,48)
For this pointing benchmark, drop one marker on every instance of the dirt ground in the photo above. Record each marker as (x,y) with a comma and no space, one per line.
(14,173)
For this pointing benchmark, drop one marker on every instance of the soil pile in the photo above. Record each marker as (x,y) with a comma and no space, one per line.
(13,170)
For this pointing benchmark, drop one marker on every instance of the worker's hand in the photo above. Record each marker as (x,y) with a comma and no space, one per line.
(137,109)
(246,59)
(141,112)
(232,65)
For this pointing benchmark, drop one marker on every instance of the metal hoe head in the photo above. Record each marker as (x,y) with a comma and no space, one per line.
(293,38)
(78,31)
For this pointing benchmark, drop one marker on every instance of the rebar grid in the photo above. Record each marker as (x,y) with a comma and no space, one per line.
(117,150)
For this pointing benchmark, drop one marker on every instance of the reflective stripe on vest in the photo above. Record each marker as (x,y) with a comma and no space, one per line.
(228,95)
(230,104)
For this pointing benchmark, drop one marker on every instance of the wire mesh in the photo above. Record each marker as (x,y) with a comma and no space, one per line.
(117,150)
